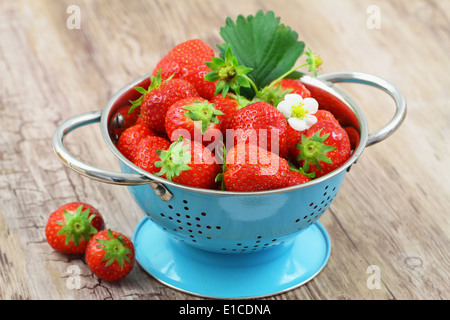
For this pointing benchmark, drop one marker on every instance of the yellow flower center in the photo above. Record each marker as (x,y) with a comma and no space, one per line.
(317,61)
(298,110)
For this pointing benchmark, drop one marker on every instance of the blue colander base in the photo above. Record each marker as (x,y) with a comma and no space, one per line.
(231,276)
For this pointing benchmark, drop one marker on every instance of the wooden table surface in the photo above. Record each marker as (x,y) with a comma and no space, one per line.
(392,211)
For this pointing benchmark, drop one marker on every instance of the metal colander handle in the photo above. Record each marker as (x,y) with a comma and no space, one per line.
(111,177)
(386,86)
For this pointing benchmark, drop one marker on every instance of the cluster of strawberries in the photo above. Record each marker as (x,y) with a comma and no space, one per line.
(78,228)
(182,130)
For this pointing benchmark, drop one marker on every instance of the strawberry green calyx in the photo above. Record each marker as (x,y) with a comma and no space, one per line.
(313,150)
(77,225)
(204,112)
(175,160)
(229,73)
(155,82)
(310,175)
(115,249)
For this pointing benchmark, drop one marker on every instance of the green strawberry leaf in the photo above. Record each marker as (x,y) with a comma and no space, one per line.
(262,43)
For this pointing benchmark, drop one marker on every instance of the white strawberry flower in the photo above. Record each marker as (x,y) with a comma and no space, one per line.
(299,112)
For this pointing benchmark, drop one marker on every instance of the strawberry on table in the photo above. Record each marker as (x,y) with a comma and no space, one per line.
(189,163)
(257,123)
(251,168)
(71,226)
(324,147)
(146,154)
(195,116)
(110,255)
(187,61)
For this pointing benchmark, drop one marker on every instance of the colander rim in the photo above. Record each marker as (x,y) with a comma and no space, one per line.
(329,87)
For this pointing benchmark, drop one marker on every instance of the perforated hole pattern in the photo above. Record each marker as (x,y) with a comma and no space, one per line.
(190,226)
(317,209)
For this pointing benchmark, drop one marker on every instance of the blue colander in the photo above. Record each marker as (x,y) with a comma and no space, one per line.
(221,244)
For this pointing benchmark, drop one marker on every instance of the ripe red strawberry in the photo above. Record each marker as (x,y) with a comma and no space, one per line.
(187,61)
(110,255)
(146,154)
(294,136)
(296,178)
(160,95)
(257,123)
(251,168)
(324,115)
(71,226)
(228,105)
(323,148)
(194,118)
(353,135)
(189,163)
(296,86)
(140,120)
(130,139)
(196,76)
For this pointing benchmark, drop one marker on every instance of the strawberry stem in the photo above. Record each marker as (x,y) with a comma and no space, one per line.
(313,61)
(253,85)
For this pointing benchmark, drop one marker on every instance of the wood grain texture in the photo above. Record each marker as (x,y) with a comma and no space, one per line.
(392,210)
